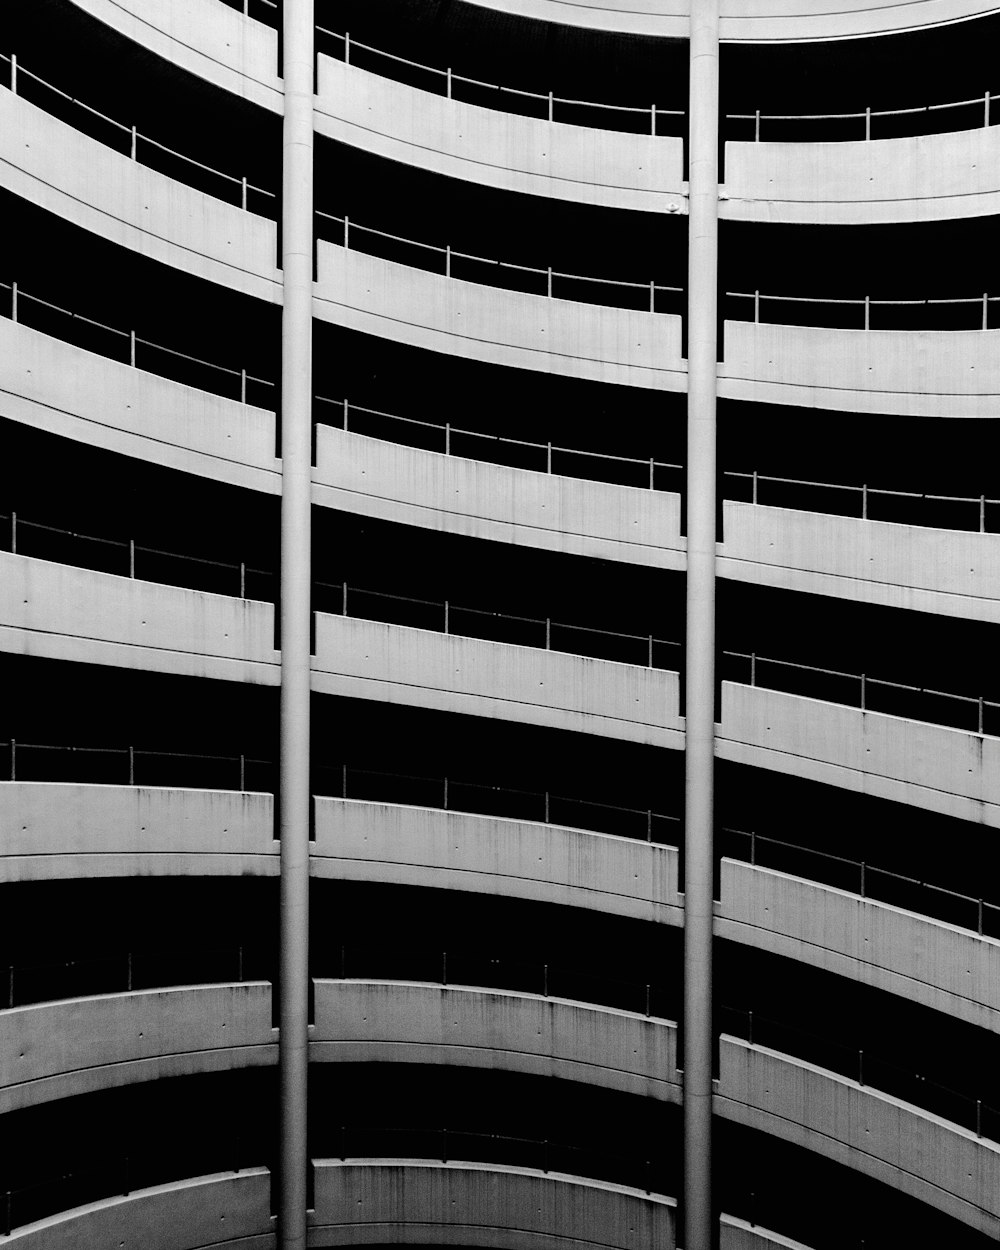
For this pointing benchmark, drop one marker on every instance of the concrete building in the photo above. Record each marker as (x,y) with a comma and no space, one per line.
(501,573)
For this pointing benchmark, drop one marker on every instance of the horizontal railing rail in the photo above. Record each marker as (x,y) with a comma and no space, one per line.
(653,118)
(767,672)
(983,103)
(453,1144)
(547,278)
(236,188)
(131,970)
(865,304)
(864,878)
(976,509)
(552,458)
(972,713)
(250,773)
(862,1064)
(156,358)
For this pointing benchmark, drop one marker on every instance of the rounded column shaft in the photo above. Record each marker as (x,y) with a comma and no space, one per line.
(699,705)
(295,608)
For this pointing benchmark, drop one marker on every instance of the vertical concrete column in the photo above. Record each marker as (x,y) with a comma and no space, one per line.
(296,575)
(699,705)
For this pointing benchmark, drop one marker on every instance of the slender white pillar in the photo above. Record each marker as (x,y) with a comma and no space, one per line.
(296,573)
(699,703)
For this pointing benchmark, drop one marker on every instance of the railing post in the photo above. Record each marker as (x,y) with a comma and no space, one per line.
(649,824)
(13,759)
(13,302)
(753,848)
(243,386)
(447,260)
(545,980)
(750,1027)
(548,458)
(128,971)
(650,665)
(347,232)
(756,127)
(13,74)
(347,47)
(548,633)
(447,438)
(861,1067)
(986,310)
(986,109)
(864,501)
(131,558)
(134,145)
(979,1117)
(546,807)
(243,772)
(867,312)
(448,81)
(862,883)
(444,967)
(548,289)
(13,533)
(552,103)
(756,308)
(344,599)
(444,803)
(980,924)
(648,998)
(652,297)
(868,124)
(862,692)
(753,668)
(10,985)
(343,781)
(981,711)
(446,616)
(753,498)
(131,348)
(243,579)
(131,765)
(652,473)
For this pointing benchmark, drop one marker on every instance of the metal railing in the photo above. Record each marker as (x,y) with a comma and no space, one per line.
(865,305)
(645,119)
(247,773)
(546,277)
(974,714)
(546,457)
(859,501)
(958,711)
(544,1154)
(154,358)
(867,1067)
(128,971)
(142,148)
(864,878)
(982,103)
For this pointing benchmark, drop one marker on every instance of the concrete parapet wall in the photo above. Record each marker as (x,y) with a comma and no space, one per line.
(230,1209)
(900,1145)
(927,961)
(487,854)
(80,1045)
(930,766)
(407,1022)
(477,322)
(532,509)
(504,150)
(56,831)
(370,660)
